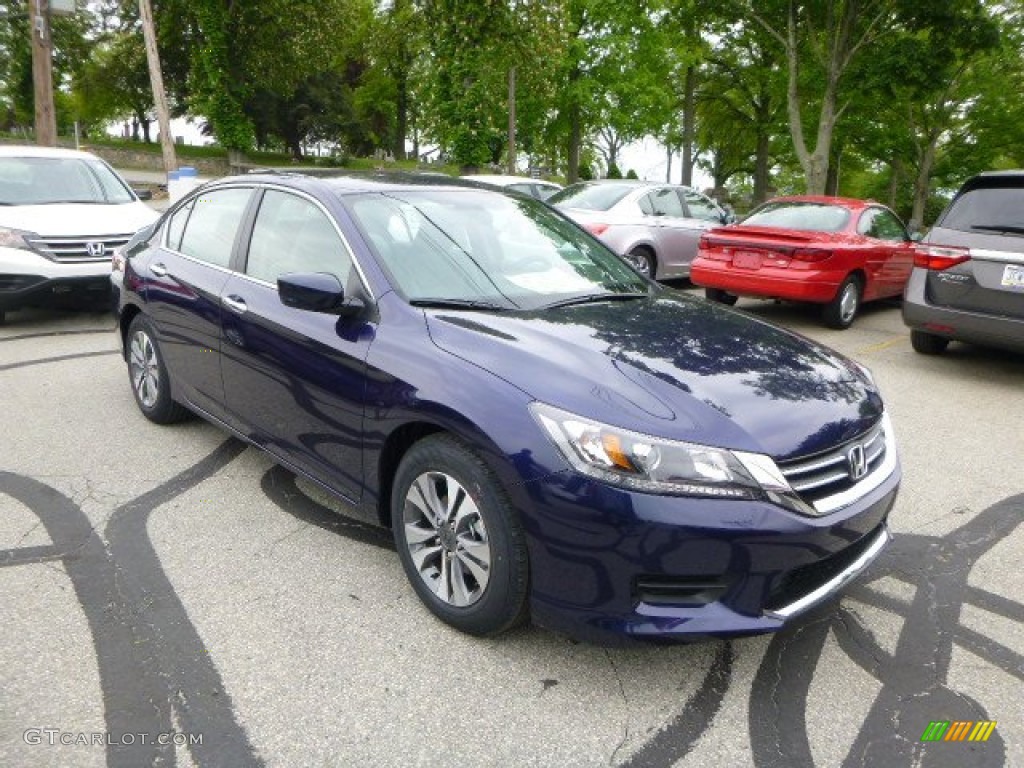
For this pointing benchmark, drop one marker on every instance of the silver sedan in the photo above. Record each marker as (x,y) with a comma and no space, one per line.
(655,227)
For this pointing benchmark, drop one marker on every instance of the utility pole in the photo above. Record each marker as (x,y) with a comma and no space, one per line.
(42,73)
(512,121)
(156,80)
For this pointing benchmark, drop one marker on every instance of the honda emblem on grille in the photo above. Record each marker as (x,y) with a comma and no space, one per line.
(95,249)
(857,462)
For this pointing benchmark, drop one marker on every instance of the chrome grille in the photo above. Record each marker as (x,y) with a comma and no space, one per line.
(826,474)
(76,248)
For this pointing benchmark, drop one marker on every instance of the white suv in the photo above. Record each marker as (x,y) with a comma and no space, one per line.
(62,215)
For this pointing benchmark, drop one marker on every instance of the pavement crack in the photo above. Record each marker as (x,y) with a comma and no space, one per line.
(298,529)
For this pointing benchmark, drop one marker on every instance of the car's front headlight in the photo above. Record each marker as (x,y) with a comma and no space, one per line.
(655,465)
(17,238)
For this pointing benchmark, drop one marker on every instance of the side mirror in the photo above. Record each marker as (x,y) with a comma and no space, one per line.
(916,237)
(316,292)
(143,194)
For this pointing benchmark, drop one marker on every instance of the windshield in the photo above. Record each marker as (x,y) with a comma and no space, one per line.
(987,208)
(590,197)
(51,180)
(812,217)
(473,246)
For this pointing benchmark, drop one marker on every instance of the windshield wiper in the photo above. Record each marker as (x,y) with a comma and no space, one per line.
(432,303)
(999,228)
(593,298)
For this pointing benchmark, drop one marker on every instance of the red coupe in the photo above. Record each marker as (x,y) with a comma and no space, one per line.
(833,251)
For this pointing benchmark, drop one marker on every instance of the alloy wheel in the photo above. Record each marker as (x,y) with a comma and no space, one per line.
(848,303)
(145,369)
(446,539)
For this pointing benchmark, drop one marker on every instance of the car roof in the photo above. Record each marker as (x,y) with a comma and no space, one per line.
(504,180)
(349,182)
(1014,177)
(849,202)
(634,184)
(32,150)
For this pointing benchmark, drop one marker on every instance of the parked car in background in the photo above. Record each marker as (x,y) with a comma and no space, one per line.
(968,277)
(546,432)
(538,188)
(655,227)
(833,251)
(62,215)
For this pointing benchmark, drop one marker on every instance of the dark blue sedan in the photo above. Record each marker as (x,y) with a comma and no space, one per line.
(547,433)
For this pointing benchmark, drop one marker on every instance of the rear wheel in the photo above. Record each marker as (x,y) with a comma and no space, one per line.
(928,343)
(719,296)
(148,375)
(642,259)
(840,312)
(458,537)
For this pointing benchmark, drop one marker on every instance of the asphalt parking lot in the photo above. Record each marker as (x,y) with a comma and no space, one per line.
(171,581)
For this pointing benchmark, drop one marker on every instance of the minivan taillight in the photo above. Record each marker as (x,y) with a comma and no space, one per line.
(939,257)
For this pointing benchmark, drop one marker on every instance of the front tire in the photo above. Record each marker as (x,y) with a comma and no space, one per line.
(928,343)
(459,538)
(148,375)
(841,311)
(719,296)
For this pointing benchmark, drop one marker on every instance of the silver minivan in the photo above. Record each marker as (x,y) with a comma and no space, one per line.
(968,278)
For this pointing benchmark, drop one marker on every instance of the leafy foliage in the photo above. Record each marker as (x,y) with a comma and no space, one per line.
(895,99)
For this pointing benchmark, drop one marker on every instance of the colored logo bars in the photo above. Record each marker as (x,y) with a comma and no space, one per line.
(958,730)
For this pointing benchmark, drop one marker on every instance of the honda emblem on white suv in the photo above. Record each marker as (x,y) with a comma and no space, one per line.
(857,462)
(95,249)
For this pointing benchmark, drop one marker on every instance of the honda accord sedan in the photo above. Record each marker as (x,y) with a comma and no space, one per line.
(654,227)
(548,434)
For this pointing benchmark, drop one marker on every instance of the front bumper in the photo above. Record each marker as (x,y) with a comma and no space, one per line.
(28,278)
(958,324)
(608,565)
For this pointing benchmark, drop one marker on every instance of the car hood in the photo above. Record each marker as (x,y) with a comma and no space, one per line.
(69,220)
(674,367)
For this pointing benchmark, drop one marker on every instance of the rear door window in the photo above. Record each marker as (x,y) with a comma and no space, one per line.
(209,234)
(665,202)
(881,225)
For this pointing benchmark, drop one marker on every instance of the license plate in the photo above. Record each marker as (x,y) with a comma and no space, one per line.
(746,260)
(1013,276)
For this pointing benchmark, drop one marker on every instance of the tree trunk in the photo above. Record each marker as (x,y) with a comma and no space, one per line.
(895,178)
(922,185)
(575,137)
(689,123)
(668,163)
(401,116)
(761,166)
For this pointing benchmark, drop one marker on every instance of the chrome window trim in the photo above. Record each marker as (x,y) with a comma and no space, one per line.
(278,188)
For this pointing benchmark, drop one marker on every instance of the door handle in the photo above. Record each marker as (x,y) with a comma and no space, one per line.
(158,269)
(235,303)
